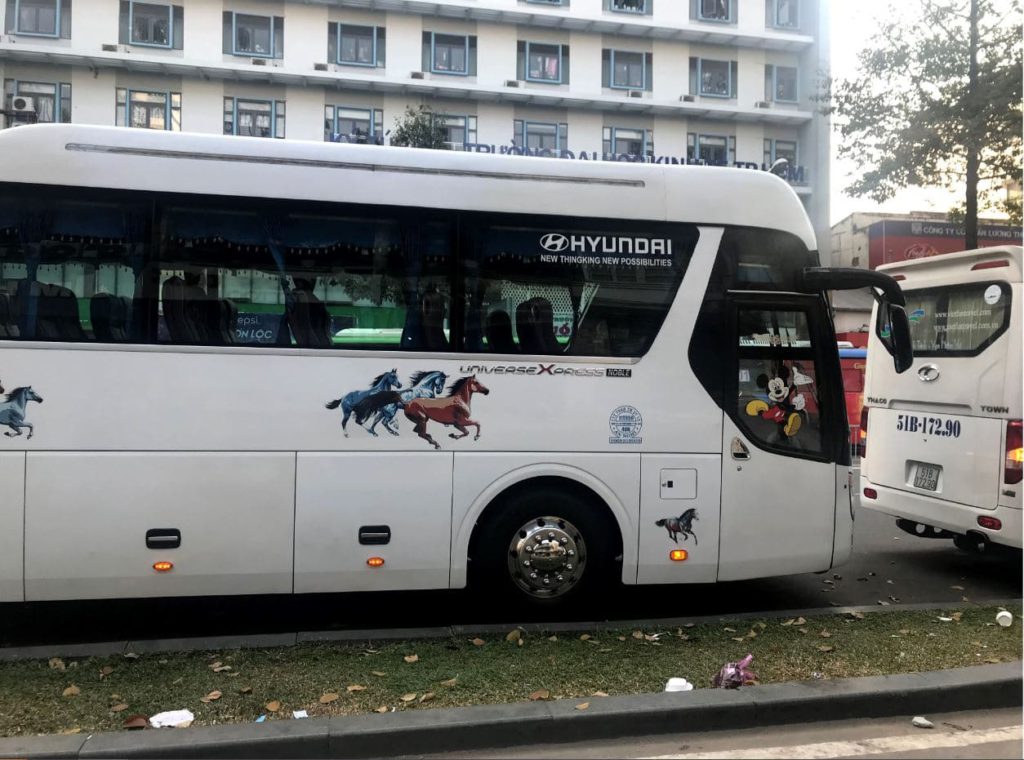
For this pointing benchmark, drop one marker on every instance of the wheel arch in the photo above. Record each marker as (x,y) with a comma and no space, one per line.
(544,477)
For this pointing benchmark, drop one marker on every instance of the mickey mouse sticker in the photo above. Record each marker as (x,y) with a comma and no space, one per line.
(783,405)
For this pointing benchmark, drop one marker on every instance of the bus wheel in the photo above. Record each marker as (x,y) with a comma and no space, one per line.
(547,549)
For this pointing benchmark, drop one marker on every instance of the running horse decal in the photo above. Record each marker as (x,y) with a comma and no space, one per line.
(12,411)
(680,525)
(422,385)
(383,382)
(451,410)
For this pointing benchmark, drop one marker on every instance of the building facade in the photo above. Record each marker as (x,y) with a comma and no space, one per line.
(724,82)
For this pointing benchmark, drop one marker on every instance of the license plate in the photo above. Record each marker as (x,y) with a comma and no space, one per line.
(927,477)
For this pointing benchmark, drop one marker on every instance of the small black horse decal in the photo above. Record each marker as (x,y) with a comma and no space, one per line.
(682,524)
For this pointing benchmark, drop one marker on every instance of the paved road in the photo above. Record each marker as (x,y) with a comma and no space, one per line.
(887,566)
(988,734)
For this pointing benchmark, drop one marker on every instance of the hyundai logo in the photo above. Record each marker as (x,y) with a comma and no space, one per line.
(554,242)
(928,373)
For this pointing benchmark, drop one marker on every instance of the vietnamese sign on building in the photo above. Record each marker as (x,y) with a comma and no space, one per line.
(892,240)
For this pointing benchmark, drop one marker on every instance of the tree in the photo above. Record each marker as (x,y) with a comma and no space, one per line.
(936,102)
(417,128)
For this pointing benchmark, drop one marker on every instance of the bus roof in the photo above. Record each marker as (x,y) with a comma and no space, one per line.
(957,264)
(140,159)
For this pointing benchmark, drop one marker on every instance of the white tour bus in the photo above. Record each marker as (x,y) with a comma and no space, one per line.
(943,452)
(245,366)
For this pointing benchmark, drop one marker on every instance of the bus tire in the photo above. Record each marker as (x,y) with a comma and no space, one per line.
(546,547)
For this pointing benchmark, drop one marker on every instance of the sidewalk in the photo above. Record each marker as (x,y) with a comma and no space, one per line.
(442,730)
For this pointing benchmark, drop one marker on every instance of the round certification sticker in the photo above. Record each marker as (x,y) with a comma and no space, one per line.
(992,294)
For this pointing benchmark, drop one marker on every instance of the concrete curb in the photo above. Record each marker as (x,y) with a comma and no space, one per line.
(497,726)
(272,640)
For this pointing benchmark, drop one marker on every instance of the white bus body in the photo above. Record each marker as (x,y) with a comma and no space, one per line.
(140,439)
(943,441)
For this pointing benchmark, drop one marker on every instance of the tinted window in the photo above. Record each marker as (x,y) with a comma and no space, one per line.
(959,320)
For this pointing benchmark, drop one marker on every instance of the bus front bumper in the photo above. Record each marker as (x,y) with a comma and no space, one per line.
(951,516)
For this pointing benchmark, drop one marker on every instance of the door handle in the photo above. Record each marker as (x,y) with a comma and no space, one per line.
(739,450)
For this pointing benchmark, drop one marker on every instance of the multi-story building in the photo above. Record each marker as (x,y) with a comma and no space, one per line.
(726,82)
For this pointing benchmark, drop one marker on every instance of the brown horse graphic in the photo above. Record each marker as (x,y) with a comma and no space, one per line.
(453,409)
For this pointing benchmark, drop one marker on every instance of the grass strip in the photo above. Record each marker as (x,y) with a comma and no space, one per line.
(36,696)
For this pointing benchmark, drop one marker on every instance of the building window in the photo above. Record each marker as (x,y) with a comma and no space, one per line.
(356,45)
(628,142)
(624,70)
(715,79)
(257,36)
(776,149)
(784,14)
(353,125)
(630,6)
(547,2)
(149,110)
(50,102)
(254,118)
(540,136)
(539,62)
(715,10)
(780,84)
(458,130)
(151,25)
(449,54)
(713,150)
(39,18)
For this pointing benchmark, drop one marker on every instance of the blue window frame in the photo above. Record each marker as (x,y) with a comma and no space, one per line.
(547,2)
(254,36)
(458,130)
(143,109)
(52,100)
(353,125)
(713,79)
(720,11)
(151,24)
(781,84)
(40,18)
(539,135)
(784,14)
(449,54)
(776,149)
(357,45)
(628,70)
(543,63)
(628,141)
(641,7)
(254,118)
(714,150)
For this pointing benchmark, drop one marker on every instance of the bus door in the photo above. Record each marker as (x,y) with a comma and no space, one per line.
(778,467)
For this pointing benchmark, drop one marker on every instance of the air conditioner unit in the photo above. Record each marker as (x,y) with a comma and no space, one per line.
(687,98)
(762,104)
(513,83)
(108,48)
(636,93)
(259,61)
(320,66)
(416,75)
(22,105)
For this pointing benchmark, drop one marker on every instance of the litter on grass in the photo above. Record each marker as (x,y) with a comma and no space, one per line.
(172,719)
(733,675)
(678,684)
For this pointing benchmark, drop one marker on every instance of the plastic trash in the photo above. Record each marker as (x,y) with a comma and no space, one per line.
(172,719)
(1004,618)
(922,722)
(678,684)
(733,675)
(261,719)
(300,714)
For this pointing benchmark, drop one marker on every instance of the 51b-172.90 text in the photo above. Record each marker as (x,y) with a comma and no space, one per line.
(912,423)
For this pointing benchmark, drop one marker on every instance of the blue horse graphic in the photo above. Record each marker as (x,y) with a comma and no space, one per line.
(422,385)
(12,411)
(383,382)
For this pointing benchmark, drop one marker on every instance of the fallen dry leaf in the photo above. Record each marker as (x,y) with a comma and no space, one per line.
(856,615)
(478,642)
(585,637)
(803,630)
(427,697)
(904,631)
(215,665)
(408,697)
(519,642)
(450,682)
(555,638)
(604,650)
(689,625)
(115,697)
(56,663)
(825,648)
(799,621)
(739,638)
(273,706)
(956,616)
(378,673)
(957,588)
(69,731)
(540,694)
(582,705)
(355,687)
(514,635)
(825,635)
(213,696)
(411,658)
(382,709)
(730,630)
(638,634)
(245,690)
(222,668)
(622,638)
(760,624)
(72,691)
(119,708)
(131,656)
(791,621)
(752,634)
(599,694)
(992,660)
(329,697)
(105,671)
(136,722)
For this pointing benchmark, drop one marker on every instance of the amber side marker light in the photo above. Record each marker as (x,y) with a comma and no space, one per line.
(990,265)
(678,555)
(163,567)
(375,562)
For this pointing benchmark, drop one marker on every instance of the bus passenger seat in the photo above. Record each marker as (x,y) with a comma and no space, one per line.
(535,323)
(432,310)
(227,314)
(109,316)
(307,316)
(8,320)
(180,325)
(499,333)
(57,316)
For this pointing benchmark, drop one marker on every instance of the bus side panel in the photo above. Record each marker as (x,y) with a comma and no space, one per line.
(88,515)
(479,478)
(408,495)
(680,506)
(12,526)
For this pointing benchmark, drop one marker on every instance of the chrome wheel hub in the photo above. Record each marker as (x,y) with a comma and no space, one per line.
(546,557)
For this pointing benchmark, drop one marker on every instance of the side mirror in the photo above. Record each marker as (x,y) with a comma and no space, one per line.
(902,349)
